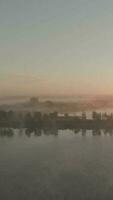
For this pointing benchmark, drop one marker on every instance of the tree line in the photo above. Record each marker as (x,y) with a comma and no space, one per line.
(34,119)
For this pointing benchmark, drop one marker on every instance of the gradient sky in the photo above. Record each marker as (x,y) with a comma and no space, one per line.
(56,47)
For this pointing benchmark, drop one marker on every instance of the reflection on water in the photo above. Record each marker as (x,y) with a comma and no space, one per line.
(52,164)
(8,132)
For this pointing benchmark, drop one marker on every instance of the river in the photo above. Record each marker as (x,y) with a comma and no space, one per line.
(61,166)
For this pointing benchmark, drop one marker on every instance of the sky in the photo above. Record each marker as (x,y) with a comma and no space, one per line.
(56,47)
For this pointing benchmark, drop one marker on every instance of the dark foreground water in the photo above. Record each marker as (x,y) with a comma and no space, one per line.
(66,166)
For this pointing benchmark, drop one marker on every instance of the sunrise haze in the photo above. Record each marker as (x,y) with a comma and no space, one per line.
(56,47)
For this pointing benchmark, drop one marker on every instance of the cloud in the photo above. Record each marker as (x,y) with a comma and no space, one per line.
(26,78)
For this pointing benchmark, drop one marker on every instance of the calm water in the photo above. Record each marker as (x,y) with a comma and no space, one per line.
(66,166)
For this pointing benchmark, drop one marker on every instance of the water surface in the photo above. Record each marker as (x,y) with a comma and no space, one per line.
(66,166)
